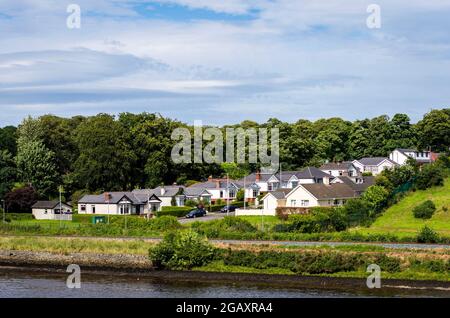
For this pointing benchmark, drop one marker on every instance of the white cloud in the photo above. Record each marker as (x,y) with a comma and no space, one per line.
(292,59)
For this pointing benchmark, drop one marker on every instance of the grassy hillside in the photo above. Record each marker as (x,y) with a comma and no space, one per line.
(399,218)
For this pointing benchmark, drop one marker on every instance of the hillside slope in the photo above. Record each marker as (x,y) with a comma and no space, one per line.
(399,218)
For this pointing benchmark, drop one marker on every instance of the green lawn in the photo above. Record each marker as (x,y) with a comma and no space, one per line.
(399,218)
(258,221)
(47,223)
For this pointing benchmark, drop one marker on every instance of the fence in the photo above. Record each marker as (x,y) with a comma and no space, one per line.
(253,212)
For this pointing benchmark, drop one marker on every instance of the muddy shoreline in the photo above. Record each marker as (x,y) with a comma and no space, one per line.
(138,266)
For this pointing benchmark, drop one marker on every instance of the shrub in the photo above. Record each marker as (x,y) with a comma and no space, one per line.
(427,235)
(424,210)
(387,264)
(376,198)
(319,220)
(430,175)
(191,203)
(17,216)
(164,223)
(357,211)
(180,251)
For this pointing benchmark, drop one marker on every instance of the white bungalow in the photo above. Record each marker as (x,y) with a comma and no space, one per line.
(119,203)
(51,210)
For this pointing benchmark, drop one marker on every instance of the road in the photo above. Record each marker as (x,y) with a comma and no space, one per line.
(209,217)
(258,242)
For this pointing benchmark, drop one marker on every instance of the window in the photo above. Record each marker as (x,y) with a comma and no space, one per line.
(83,208)
(304,203)
(45,212)
(232,193)
(319,180)
(93,209)
(221,194)
(294,184)
(293,202)
(255,193)
(269,187)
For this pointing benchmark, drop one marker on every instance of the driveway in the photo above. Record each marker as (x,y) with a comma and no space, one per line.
(209,217)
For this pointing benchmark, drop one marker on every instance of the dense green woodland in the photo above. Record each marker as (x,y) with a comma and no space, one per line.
(104,152)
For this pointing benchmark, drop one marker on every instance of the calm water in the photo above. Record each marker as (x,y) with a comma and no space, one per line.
(43,284)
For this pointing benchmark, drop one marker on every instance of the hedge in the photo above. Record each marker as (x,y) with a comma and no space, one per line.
(177,211)
(18,216)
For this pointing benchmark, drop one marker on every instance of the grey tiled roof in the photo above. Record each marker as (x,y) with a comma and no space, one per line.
(373,161)
(336,165)
(47,204)
(331,191)
(115,197)
(280,193)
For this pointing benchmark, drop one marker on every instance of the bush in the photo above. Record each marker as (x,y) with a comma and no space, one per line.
(424,210)
(229,227)
(17,216)
(357,211)
(431,175)
(319,220)
(164,223)
(180,251)
(427,235)
(302,263)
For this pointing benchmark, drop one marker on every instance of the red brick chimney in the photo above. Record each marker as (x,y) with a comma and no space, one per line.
(107,196)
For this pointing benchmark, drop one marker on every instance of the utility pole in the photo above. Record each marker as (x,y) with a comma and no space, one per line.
(244,194)
(60,207)
(228,195)
(4,220)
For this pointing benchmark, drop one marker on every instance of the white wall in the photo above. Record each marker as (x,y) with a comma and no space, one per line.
(270,203)
(254,212)
(298,195)
(40,214)
(99,208)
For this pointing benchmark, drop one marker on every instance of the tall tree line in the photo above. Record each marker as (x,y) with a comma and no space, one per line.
(128,151)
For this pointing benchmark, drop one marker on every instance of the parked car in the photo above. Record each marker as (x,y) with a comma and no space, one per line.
(196,213)
(228,208)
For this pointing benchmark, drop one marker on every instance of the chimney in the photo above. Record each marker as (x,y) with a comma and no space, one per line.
(258,176)
(106,196)
(210,178)
(163,190)
(217,184)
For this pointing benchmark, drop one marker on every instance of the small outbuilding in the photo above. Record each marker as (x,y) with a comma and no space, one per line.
(52,210)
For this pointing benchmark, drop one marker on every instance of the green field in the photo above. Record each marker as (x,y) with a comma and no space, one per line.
(399,218)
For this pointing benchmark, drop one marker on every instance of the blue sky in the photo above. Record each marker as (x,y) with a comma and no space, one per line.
(224,61)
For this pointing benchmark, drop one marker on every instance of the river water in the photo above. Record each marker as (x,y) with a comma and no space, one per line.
(26,284)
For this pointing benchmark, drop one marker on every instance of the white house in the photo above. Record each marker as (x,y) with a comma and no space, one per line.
(400,156)
(345,168)
(51,210)
(223,189)
(288,179)
(176,194)
(374,165)
(309,195)
(119,203)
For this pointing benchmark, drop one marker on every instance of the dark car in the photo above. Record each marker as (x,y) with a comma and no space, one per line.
(196,213)
(228,208)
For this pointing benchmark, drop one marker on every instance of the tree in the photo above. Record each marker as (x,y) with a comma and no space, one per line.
(8,139)
(20,200)
(105,158)
(8,172)
(36,166)
(376,197)
(434,130)
(233,170)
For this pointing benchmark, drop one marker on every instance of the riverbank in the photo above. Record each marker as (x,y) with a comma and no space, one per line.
(127,256)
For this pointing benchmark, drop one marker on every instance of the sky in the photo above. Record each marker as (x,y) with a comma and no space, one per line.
(224,61)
